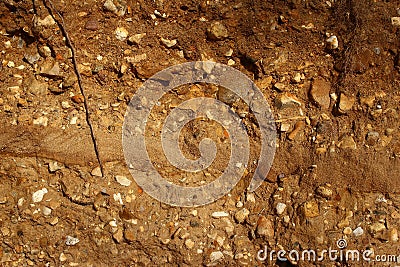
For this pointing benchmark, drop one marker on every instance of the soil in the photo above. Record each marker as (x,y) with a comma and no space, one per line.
(337,164)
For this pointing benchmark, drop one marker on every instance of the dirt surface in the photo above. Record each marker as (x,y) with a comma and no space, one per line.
(329,69)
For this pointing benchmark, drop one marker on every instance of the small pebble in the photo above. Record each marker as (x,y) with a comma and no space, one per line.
(122,180)
(241,215)
(189,243)
(169,43)
(358,231)
(38,195)
(136,38)
(280,208)
(333,42)
(92,25)
(71,241)
(46,211)
(62,257)
(42,121)
(265,227)
(347,231)
(217,31)
(219,214)
(395,21)
(54,166)
(216,256)
(324,191)
(96,172)
(121,33)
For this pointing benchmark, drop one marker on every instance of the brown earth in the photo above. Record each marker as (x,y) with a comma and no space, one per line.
(337,163)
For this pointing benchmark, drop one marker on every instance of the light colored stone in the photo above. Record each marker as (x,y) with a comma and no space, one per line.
(122,180)
(96,172)
(393,235)
(117,7)
(216,256)
(310,209)
(395,21)
(136,58)
(169,43)
(136,38)
(121,33)
(62,257)
(358,231)
(217,31)
(376,228)
(280,208)
(189,243)
(347,231)
(50,68)
(333,42)
(41,121)
(46,22)
(250,198)
(46,211)
(324,191)
(219,214)
(54,166)
(36,88)
(38,195)
(286,100)
(279,86)
(241,215)
(71,241)
(118,236)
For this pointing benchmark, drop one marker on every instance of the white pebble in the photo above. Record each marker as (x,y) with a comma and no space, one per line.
(216,256)
(38,195)
(122,180)
(219,214)
(46,211)
(333,42)
(280,208)
(73,120)
(71,241)
(358,231)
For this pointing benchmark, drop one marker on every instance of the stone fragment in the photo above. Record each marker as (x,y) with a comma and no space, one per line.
(121,33)
(286,100)
(347,142)
(345,103)
(309,209)
(332,42)
(280,208)
(241,215)
(38,195)
(122,180)
(217,31)
(320,93)
(136,38)
(216,256)
(324,191)
(71,241)
(169,43)
(265,227)
(219,214)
